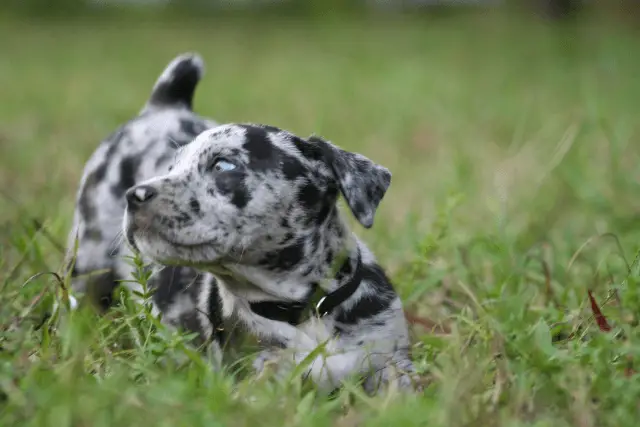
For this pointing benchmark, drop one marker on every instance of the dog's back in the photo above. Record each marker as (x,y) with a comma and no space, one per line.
(138,150)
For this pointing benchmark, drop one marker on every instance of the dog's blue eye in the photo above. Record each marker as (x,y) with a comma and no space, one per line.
(222,165)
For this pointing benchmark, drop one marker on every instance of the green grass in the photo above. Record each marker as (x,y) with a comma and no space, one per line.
(513,146)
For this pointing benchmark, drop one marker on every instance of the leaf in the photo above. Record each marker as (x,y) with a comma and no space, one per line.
(308,360)
(542,337)
(428,324)
(305,406)
(600,319)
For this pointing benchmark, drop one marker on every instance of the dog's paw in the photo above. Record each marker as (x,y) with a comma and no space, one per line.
(278,364)
(391,377)
(266,361)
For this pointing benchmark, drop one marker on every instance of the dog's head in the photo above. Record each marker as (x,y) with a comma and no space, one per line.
(238,192)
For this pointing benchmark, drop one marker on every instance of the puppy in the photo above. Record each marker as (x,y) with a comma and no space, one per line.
(254,207)
(139,150)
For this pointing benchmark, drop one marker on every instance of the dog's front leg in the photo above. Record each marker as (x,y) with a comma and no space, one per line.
(326,371)
(282,335)
(329,371)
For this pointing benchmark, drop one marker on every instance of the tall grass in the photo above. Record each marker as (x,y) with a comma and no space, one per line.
(515,174)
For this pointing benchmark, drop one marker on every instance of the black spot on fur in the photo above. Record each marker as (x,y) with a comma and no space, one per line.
(166,221)
(98,174)
(315,242)
(264,156)
(173,282)
(167,285)
(232,184)
(87,210)
(92,234)
(260,149)
(86,207)
(179,89)
(285,258)
(215,314)
(324,212)
(309,196)
(366,307)
(328,204)
(128,169)
(375,301)
(192,127)
(311,151)
(378,323)
(195,206)
(291,167)
(240,197)
(183,218)
(357,207)
(318,206)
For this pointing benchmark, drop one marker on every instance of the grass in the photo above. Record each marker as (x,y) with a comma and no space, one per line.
(515,166)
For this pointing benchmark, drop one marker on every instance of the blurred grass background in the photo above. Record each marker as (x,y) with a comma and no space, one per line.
(511,133)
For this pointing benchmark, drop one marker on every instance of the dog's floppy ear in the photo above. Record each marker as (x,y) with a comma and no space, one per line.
(362,182)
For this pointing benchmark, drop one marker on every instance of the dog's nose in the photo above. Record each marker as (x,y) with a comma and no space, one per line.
(139,195)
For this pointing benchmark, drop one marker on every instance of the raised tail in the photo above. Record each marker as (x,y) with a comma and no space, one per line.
(177,83)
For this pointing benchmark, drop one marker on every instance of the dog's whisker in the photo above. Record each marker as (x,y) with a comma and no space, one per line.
(116,243)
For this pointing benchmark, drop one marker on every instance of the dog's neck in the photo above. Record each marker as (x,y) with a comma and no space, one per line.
(331,255)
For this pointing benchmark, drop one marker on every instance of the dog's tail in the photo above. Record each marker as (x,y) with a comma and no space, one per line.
(177,83)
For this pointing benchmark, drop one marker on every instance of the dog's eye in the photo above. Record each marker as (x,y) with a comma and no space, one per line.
(222,165)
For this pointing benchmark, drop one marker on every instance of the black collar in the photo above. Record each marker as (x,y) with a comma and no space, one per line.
(291,312)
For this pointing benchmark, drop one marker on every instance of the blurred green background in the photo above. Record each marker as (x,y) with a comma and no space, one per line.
(511,131)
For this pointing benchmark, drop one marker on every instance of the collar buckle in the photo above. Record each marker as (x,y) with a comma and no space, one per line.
(319,311)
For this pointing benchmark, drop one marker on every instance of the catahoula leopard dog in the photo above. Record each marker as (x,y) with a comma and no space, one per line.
(254,208)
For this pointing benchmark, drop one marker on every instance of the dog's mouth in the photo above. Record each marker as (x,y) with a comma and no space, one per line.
(156,244)
(130,236)
(188,245)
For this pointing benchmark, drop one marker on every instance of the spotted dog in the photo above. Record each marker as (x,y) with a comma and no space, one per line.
(255,207)
(137,151)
